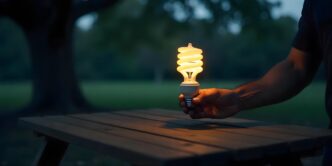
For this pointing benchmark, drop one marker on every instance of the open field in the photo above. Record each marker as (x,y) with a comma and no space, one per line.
(305,109)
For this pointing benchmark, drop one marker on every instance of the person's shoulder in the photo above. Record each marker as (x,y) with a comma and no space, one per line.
(308,6)
(309,2)
(316,2)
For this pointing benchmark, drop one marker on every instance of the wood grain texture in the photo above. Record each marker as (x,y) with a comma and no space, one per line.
(203,154)
(163,137)
(237,122)
(127,149)
(242,147)
(295,142)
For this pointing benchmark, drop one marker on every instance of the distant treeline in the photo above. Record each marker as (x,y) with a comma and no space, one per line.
(135,42)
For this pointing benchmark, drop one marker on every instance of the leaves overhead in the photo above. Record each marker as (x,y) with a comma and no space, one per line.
(145,22)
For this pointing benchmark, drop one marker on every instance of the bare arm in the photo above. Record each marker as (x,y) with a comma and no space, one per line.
(281,82)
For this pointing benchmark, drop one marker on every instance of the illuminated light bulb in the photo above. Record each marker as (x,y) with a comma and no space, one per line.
(190,64)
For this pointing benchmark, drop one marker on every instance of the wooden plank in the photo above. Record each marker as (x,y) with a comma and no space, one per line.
(128,149)
(321,134)
(320,137)
(296,143)
(206,155)
(243,146)
(194,129)
(172,115)
(235,122)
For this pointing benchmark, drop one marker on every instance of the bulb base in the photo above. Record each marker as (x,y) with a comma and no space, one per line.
(189,91)
(189,102)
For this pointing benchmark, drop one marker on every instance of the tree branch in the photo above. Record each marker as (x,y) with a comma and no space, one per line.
(82,7)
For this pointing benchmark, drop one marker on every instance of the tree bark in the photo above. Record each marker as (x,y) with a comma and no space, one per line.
(55,85)
(48,26)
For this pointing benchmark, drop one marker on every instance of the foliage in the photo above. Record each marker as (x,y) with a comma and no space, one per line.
(149,35)
(138,39)
(307,108)
(14,64)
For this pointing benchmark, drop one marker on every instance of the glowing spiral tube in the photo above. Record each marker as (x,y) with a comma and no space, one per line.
(190,63)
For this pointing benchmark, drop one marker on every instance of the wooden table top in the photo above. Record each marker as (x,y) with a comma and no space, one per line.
(163,137)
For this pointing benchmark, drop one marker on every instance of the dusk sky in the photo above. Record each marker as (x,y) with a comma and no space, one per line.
(289,7)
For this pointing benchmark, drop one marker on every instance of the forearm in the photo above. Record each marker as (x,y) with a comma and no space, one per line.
(282,82)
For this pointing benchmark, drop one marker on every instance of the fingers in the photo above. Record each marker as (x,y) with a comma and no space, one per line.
(183,104)
(197,100)
(181,97)
(201,103)
(198,115)
(185,110)
(206,96)
(211,103)
(201,112)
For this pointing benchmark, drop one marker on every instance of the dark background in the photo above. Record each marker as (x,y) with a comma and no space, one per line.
(126,59)
(134,41)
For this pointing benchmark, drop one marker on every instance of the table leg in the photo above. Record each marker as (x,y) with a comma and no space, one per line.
(250,163)
(51,153)
(286,161)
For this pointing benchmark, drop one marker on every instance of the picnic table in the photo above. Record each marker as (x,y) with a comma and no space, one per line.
(164,137)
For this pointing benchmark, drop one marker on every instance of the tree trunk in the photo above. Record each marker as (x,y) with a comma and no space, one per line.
(48,26)
(55,87)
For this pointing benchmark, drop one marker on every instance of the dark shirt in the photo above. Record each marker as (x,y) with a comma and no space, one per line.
(315,37)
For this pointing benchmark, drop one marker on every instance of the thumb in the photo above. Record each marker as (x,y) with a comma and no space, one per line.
(205,96)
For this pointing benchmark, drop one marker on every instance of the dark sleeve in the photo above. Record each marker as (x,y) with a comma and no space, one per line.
(306,37)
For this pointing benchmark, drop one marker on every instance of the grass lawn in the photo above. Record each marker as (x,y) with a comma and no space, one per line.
(305,109)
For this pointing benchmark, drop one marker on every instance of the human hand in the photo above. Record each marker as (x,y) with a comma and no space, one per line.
(212,103)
